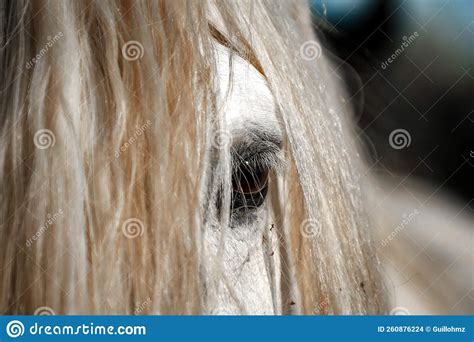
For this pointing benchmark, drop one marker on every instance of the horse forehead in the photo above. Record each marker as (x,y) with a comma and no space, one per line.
(243,95)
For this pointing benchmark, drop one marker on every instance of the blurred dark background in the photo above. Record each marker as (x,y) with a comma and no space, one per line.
(408,68)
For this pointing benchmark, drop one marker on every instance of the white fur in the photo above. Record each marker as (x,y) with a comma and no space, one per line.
(245,103)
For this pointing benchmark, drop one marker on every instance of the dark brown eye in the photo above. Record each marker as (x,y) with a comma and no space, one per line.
(248,181)
(249,187)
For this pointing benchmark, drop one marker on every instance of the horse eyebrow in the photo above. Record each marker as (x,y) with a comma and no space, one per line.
(245,52)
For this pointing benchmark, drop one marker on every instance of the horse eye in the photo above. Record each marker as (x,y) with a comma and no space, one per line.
(249,187)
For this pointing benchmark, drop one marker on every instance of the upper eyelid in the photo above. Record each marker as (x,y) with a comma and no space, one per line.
(262,155)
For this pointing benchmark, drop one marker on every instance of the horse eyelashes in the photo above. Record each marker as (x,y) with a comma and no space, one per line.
(254,157)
